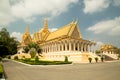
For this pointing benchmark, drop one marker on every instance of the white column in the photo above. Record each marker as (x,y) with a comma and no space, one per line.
(93,48)
(46,48)
(90,47)
(53,47)
(81,47)
(62,47)
(73,46)
(65,46)
(69,46)
(78,46)
(58,47)
(86,47)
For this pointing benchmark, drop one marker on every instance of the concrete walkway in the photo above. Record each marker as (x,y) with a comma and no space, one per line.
(98,71)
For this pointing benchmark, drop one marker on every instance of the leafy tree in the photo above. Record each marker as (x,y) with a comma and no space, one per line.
(8,45)
(26,49)
(97,51)
(3,51)
(33,45)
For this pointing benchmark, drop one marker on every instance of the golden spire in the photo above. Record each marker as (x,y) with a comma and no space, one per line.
(72,22)
(45,24)
(27,30)
(76,22)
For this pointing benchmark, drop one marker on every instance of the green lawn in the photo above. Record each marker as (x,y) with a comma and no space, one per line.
(33,62)
(1,70)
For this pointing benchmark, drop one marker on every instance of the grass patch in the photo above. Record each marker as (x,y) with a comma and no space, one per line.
(1,70)
(33,62)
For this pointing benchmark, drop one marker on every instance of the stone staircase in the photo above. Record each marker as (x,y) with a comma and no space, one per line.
(114,56)
(108,58)
(86,55)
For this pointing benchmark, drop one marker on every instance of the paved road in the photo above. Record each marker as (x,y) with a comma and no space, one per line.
(99,71)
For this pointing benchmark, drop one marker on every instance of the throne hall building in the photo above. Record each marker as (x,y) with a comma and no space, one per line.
(66,41)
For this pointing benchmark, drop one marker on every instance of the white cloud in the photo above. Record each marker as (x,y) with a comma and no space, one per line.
(111,27)
(11,10)
(98,45)
(17,35)
(30,19)
(6,16)
(29,8)
(53,29)
(116,2)
(92,6)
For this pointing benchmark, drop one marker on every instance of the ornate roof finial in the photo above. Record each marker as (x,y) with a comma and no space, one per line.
(72,21)
(45,24)
(76,21)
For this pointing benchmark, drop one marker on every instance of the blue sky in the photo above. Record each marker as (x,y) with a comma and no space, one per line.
(99,20)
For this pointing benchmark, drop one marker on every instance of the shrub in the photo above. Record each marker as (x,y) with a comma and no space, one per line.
(9,57)
(36,59)
(66,59)
(90,59)
(32,53)
(96,59)
(15,57)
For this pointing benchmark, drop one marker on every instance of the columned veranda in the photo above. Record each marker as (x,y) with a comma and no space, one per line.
(67,45)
